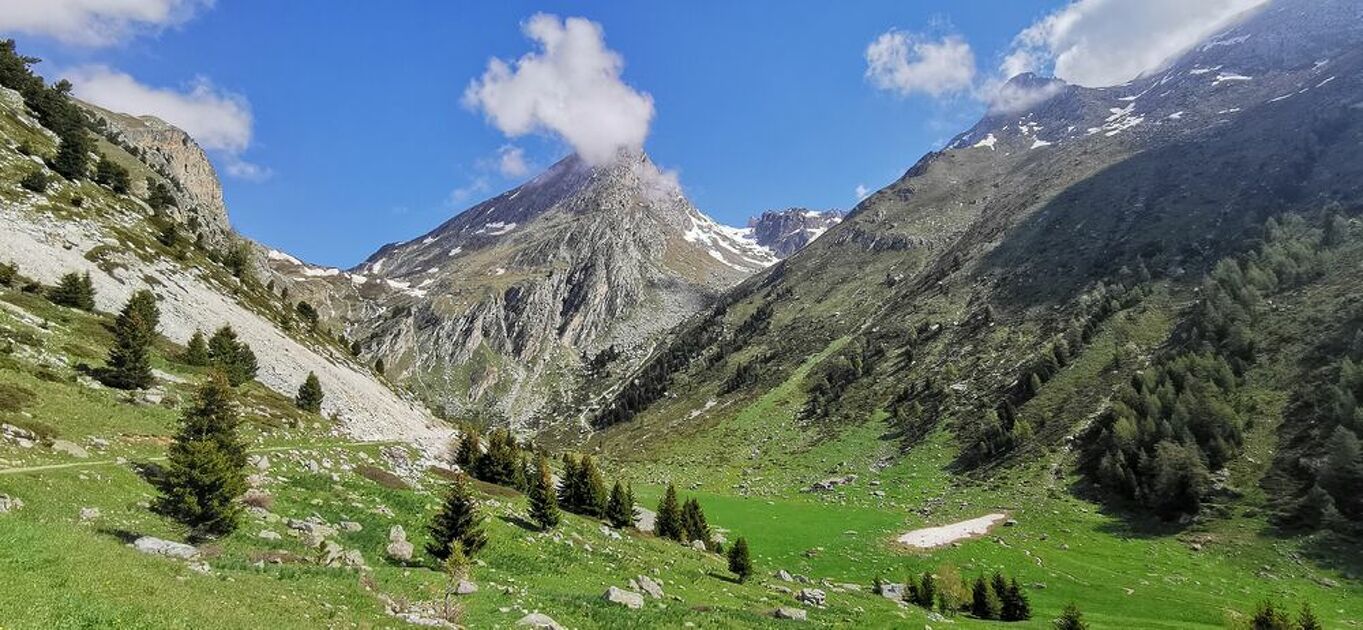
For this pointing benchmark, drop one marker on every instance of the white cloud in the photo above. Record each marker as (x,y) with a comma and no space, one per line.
(1098,43)
(511,162)
(464,194)
(218,120)
(571,88)
(905,63)
(862,192)
(94,22)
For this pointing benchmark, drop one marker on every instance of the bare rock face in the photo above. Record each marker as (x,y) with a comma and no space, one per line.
(182,162)
(787,231)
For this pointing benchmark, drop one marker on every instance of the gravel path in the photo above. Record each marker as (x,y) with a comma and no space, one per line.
(45,248)
(930,537)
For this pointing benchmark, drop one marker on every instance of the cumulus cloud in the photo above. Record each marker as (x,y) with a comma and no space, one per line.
(1098,43)
(905,63)
(511,162)
(94,22)
(570,87)
(862,191)
(219,120)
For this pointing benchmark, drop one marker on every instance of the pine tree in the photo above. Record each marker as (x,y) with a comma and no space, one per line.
(1307,620)
(458,520)
(134,331)
(740,563)
(309,397)
(74,290)
(694,525)
(593,488)
(543,502)
(669,520)
(469,450)
(1070,619)
(569,493)
(926,593)
(233,357)
(1015,606)
(196,351)
(111,174)
(498,464)
(983,603)
(1342,475)
(1267,616)
(620,508)
(205,469)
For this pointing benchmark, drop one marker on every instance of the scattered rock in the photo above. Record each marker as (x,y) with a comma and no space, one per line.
(351,526)
(1010,523)
(698,545)
(892,591)
(398,548)
(259,462)
(811,596)
(831,483)
(89,513)
(268,535)
(784,576)
(70,448)
(644,519)
(465,587)
(168,548)
(9,503)
(201,567)
(796,614)
(648,585)
(539,621)
(623,597)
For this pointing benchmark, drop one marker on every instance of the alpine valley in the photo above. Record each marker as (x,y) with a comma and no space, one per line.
(1093,363)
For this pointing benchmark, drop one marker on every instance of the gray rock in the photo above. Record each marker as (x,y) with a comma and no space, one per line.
(892,591)
(351,526)
(89,513)
(795,614)
(539,621)
(168,548)
(698,545)
(397,534)
(644,519)
(628,599)
(465,587)
(400,550)
(811,596)
(649,586)
(9,503)
(268,535)
(70,448)
(784,576)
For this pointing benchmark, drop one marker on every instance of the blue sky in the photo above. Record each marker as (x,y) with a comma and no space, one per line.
(357,135)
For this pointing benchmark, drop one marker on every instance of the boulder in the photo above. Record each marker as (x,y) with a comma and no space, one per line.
(465,587)
(892,591)
(259,462)
(400,551)
(628,599)
(350,526)
(644,519)
(796,614)
(539,621)
(70,448)
(89,513)
(784,576)
(650,586)
(9,503)
(168,548)
(811,596)
(699,545)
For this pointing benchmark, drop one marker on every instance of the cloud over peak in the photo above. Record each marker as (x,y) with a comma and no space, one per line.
(570,88)
(94,22)
(905,63)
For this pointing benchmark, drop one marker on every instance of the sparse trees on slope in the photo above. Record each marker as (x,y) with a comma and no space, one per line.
(543,502)
(35,181)
(134,331)
(205,469)
(112,175)
(458,520)
(740,563)
(309,397)
(669,520)
(74,290)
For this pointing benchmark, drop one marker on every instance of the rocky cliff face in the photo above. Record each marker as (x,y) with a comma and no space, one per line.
(787,231)
(181,162)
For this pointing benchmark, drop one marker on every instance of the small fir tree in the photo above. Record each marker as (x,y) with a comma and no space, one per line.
(196,351)
(694,525)
(456,569)
(543,502)
(1307,620)
(205,469)
(74,290)
(669,520)
(984,604)
(233,357)
(458,520)
(1015,606)
(620,507)
(1267,616)
(309,397)
(498,464)
(469,450)
(35,181)
(593,488)
(926,593)
(740,562)
(134,331)
(1070,619)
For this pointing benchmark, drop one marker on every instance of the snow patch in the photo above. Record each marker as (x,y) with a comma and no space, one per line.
(1227,77)
(275,254)
(496,228)
(1040,143)
(931,537)
(989,141)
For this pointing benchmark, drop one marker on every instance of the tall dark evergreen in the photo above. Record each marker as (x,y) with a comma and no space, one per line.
(134,332)
(499,463)
(459,520)
(232,356)
(593,488)
(984,604)
(205,470)
(196,350)
(740,562)
(668,523)
(74,290)
(543,502)
(1014,604)
(569,490)
(469,450)
(620,507)
(694,525)
(310,395)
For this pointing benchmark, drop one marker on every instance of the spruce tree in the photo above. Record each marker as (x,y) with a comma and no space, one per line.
(498,464)
(1015,606)
(569,494)
(458,520)
(669,520)
(543,502)
(233,357)
(469,450)
(74,290)
(134,331)
(309,397)
(196,351)
(983,603)
(740,563)
(926,594)
(620,508)
(1070,619)
(592,487)
(1267,616)
(205,468)
(1307,620)
(694,525)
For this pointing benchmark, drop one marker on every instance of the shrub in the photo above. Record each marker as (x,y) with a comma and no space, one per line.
(74,290)
(35,181)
